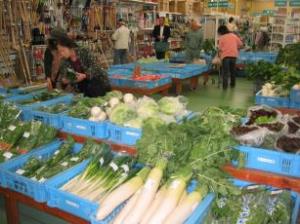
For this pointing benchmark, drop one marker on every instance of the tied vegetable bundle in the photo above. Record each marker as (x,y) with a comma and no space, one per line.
(103,174)
(41,169)
(174,154)
(21,137)
(255,206)
(40,97)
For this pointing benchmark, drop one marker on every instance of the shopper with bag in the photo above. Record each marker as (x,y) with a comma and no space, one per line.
(80,70)
(161,34)
(229,45)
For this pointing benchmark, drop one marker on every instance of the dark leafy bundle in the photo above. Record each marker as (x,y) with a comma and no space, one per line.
(9,114)
(289,56)
(263,71)
(55,109)
(43,96)
(209,47)
(14,132)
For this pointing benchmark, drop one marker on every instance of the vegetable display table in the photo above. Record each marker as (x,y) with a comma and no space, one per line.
(178,72)
(11,206)
(135,90)
(266,178)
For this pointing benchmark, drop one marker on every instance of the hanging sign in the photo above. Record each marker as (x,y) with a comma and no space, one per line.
(295,3)
(218,4)
(280,3)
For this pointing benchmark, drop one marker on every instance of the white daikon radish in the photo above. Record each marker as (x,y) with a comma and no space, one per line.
(128,207)
(174,192)
(122,193)
(148,193)
(95,111)
(186,207)
(154,205)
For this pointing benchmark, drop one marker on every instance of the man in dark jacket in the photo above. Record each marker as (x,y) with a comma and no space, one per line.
(161,34)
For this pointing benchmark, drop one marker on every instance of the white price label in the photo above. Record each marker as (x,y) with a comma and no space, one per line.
(26,134)
(20,171)
(64,164)
(125,167)
(101,161)
(175,184)
(114,166)
(12,127)
(74,159)
(56,152)
(42,180)
(8,155)
(276,192)
(149,184)
(33,178)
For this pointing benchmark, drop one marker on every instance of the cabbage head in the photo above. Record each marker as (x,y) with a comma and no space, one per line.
(122,113)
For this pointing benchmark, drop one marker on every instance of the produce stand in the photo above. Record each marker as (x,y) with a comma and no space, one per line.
(161,89)
(12,212)
(261,177)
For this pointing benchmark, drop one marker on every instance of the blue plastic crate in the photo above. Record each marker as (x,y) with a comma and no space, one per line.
(272,101)
(294,105)
(141,84)
(271,161)
(295,96)
(84,127)
(53,120)
(66,201)
(123,135)
(24,185)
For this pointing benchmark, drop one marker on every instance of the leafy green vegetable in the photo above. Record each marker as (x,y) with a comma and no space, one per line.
(122,113)
(55,109)
(43,96)
(172,105)
(257,206)
(289,56)
(264,120)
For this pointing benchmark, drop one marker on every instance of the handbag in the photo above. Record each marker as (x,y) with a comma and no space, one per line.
(216,60)
(161,46)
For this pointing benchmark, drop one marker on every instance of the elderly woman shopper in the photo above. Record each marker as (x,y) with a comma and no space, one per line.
(229,45)
(193,42)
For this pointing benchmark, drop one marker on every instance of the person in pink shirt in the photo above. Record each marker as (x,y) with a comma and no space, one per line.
(229,45)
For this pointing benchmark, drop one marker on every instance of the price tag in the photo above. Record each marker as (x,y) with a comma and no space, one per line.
(276,192)
(101,161)
(125,167)
(149,184)
(74,159)
(42,180)
(114,166)
(56,152)
(175,184)
(65,164)
(8,155)
(20,171)
(12,127)
(33,178)
(26,134)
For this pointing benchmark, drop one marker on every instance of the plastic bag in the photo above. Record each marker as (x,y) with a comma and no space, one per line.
(147,107)
(288,143)
(250,135)
(262,111)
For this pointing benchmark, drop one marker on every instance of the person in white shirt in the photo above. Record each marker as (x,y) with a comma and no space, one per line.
(121,37)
